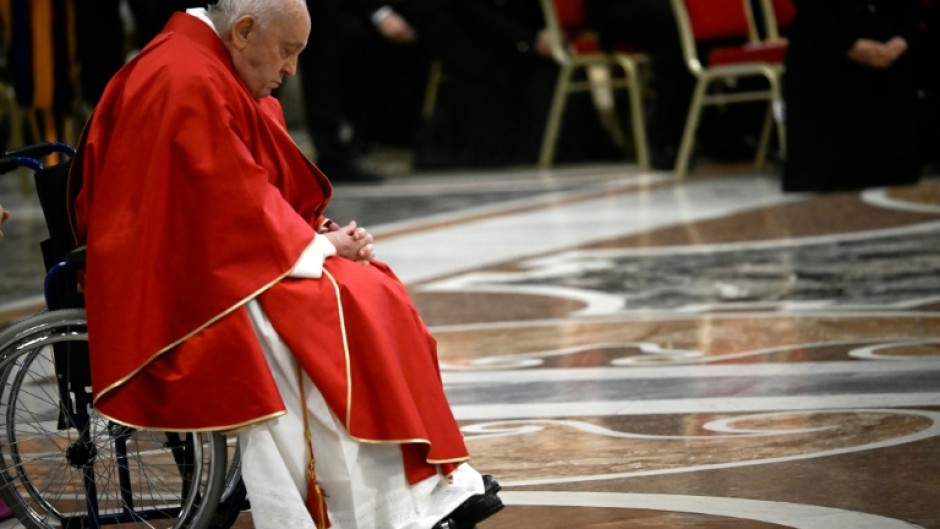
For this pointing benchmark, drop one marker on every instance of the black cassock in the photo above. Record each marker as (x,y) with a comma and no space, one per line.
(850,126)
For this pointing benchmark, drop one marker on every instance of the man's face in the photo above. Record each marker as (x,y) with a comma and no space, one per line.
(263,56)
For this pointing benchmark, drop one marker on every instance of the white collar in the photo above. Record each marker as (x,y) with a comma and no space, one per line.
(202,14)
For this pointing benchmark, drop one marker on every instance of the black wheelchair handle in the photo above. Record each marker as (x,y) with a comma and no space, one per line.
(39,150)
(30,155)
(8,164)
(76,257)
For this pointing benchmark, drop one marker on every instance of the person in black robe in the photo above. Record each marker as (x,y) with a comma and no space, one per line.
(500,76)
(363,75)
(929,59)
(851,95)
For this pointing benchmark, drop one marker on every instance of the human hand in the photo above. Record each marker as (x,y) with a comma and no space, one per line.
(396,29)
(896,47)
(543,43)
(4,215)
(352,242)
(328,226)
(871,53)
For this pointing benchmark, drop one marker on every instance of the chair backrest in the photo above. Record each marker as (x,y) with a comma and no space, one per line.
(571,34)
(701,21)
(565,20)
(570,13)
(720,19)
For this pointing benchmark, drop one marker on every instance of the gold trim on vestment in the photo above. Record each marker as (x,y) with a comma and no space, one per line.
(410,441)
(342,328)
(195,331)
(391,441)
(226,429)
(454,460)
(342,324)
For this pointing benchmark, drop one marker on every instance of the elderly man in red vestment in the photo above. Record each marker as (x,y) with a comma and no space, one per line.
(219,297)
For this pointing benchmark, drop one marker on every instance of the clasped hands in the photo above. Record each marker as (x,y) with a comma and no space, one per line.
(875,54)
(351,241)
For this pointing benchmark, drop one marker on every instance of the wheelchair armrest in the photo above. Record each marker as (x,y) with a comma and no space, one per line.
(63,284)
(76,258)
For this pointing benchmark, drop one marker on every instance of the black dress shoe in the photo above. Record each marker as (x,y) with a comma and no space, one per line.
(446,523)
(490,485)
(476,509)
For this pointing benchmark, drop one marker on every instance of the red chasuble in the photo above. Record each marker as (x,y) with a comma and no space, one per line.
(193,200)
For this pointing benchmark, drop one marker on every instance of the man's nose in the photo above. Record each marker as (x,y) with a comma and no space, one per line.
(290,67)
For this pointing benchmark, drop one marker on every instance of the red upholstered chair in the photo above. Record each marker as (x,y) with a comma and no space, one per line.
(710,21)
(577,50)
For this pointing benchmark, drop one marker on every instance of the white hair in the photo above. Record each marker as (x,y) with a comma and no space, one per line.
(224,13)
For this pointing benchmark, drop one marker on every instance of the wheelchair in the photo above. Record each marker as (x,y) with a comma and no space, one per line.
(61,464)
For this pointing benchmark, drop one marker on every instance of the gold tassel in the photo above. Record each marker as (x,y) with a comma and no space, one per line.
(316,498)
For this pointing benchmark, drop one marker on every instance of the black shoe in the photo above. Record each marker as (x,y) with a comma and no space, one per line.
(446,523)
(490,486)
(475,509)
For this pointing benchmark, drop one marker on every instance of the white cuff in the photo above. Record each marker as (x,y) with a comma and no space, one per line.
(310,264)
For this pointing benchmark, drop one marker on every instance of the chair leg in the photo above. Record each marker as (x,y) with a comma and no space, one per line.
(553,124)
(435,77)
(637,116)
(780,119)
(691,124)
(761,158)
(772,118)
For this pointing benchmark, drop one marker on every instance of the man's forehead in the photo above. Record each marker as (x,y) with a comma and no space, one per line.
(298,9)
(292,27)
(299,15)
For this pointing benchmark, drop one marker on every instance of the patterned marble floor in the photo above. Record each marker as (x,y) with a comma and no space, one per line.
(626,351)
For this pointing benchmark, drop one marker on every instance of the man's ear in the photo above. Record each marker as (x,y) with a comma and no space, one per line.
(241,31)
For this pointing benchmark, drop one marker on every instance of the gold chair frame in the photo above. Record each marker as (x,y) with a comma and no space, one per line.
(571,64)
(707,76)
(771,23)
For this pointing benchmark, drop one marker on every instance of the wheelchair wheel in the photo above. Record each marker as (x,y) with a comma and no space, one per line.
(63,465)
(234,498)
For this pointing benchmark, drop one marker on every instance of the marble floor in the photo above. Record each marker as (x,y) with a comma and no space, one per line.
(627,351)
